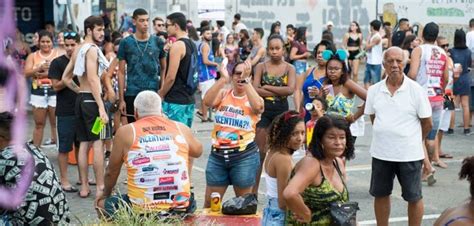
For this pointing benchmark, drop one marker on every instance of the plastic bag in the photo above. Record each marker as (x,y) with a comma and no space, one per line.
(243,205)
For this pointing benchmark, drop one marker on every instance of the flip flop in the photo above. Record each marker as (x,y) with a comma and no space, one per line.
(446,156)
(70,189)
(440,165)
(90,183)
(88,193)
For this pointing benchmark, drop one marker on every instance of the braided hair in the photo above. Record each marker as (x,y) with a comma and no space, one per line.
(281,129)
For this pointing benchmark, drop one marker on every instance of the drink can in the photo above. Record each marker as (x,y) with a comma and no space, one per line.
(309,107)
(216,202)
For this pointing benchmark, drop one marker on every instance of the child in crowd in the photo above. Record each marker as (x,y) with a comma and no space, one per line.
(286,135)
(317,108)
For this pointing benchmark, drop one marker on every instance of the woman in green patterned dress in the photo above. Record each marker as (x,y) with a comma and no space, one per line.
(319,178)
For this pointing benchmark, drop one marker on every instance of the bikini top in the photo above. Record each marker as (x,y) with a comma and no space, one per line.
(353,43)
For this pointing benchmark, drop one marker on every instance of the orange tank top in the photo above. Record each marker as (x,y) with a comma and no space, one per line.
(39,59)
(235,123)
(157,163)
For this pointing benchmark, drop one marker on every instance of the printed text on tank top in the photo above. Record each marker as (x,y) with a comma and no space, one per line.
(235,122)
(156,163)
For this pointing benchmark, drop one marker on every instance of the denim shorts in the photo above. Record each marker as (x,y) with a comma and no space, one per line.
(372,73)
(300,66)
(437,111)
(238,169)
(272,214)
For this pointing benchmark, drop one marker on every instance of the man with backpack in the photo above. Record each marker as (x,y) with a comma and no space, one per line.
(181,79)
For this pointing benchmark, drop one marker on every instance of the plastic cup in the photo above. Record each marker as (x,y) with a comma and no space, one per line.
(97,127)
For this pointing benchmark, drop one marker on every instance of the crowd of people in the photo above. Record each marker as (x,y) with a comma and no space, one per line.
(129,97)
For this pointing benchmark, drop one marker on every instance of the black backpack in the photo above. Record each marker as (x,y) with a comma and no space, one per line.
(192,80)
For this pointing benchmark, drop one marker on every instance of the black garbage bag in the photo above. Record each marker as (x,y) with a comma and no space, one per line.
(243,205)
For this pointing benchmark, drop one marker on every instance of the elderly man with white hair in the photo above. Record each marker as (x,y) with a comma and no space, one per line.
(156,151)
(401,116)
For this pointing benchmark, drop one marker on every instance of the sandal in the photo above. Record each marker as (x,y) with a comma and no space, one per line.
(446,156)
(200,115)
(90,183)
(440,164)
(70,189)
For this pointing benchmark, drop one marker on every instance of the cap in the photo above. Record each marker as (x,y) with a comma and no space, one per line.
(330,23)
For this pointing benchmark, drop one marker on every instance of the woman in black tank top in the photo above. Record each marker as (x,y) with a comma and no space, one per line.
(274,81)
(353,44)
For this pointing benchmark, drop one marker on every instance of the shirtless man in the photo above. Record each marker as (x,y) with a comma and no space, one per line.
(88,63)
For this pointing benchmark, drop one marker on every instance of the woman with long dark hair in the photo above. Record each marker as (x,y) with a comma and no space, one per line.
(409,43)
(231,51)
(245,45)
(353,44)
(234,154)
(462,55)
(299,55)
(338,89)
(275,28)
(319,178)
(463,214)
(43,97)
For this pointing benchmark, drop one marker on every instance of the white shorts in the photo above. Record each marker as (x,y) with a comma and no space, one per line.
(445,120)
(205,86)
(43,101)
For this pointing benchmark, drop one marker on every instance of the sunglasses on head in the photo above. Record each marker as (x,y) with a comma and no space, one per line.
(70,34)
(340,54)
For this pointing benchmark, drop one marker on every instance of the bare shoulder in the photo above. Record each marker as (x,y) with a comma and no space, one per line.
(341,165)
(290,67)
(125,133)
(307,163)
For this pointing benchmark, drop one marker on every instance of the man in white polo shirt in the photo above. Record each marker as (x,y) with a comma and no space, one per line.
(401,116)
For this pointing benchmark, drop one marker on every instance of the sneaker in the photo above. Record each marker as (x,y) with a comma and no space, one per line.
(467,132)
(450,131)
(49,142)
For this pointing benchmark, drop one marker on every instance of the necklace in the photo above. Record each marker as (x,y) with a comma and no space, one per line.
(138,47)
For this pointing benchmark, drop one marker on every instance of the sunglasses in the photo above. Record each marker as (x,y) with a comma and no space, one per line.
(181,200)
(444,46)
(160,25)
(168,25)
(340,54)
(289,115)
(70,34)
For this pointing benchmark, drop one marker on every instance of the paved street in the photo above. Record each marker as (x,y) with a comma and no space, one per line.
(448,191)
